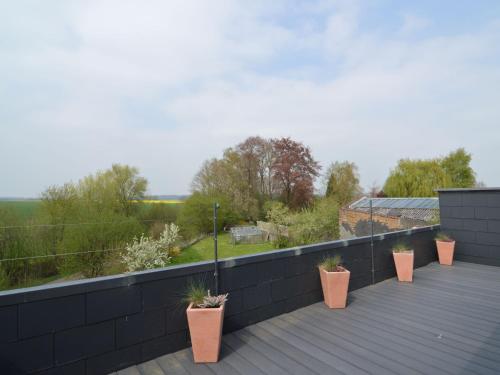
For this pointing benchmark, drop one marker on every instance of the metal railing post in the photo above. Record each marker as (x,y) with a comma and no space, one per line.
(216,266)
(371,240)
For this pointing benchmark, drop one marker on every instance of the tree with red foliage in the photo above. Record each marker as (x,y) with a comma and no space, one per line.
(294,171)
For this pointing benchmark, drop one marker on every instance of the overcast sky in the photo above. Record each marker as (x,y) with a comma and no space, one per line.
(164,85)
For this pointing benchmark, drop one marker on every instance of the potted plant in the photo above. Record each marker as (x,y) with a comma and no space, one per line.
(205,315)
(334,282)
(445,247)
(403,258)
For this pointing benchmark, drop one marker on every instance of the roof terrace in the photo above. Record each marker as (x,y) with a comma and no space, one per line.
(446,322)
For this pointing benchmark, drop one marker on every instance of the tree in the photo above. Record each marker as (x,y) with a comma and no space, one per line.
(315,224)
(343,182)
(421,178)
(258,156)
(227,178)
(104,205)
(58,207)
(116,188)
(294,170)
(279,216)
(196,216)
(416,178)
(457,166)
(13,245)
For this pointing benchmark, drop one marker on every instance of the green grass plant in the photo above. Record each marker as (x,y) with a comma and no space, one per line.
(331,263)
(401,247)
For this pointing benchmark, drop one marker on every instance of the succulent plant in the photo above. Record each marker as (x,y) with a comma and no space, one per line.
(210,301)
(199,298)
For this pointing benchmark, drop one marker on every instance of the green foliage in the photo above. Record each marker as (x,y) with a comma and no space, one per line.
(441,236)
(416,178)
(102,206)
(331,263)
(12,245)
(457,166)
(104,236)
(317,224)
(421,178)
(160,212)
(401,247)
(196,215)
(279,216)
(154,216)
(115,189)
(310,225)
(342,182)
(195,293)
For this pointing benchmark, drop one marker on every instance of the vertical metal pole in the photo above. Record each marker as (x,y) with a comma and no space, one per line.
(371,241)
(216,266)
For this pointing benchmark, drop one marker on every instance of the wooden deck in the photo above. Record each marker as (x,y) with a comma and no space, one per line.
(446,322)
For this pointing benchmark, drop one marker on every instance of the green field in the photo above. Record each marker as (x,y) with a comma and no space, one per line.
(204,249)
(25,208)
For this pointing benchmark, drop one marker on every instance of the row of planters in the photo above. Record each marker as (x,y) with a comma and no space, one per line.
(403,256)
(205,313)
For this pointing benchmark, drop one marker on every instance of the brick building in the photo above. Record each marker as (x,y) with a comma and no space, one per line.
(388,214)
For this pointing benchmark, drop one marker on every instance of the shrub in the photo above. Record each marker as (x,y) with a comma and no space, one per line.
(311,225)
(279,215)
(146,253)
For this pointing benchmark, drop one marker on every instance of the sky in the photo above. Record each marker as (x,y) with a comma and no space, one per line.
(164,85)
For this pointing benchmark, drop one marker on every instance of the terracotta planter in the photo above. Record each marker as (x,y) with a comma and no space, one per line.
(445,252)
(205,328)
(404,265)
(335,285)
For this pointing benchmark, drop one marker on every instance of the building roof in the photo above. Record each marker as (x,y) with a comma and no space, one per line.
(411,208)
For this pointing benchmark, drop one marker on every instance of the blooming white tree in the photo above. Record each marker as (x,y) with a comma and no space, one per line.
(146,253)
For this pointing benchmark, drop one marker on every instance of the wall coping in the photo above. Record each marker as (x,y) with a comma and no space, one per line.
(31,294)
(462,190)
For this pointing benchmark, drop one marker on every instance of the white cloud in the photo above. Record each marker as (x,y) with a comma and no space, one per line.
(215,72)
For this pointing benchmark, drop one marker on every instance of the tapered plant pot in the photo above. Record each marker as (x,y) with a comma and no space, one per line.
(335,286)
(205,328)
(445,249)
(404,265)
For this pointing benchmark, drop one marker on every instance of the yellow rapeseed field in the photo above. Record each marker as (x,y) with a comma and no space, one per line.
(160,201)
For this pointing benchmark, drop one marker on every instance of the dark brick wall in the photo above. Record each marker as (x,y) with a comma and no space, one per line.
(472,217)
(101,325)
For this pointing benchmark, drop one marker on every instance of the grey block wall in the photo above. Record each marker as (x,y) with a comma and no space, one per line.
(472,218)
(102,325)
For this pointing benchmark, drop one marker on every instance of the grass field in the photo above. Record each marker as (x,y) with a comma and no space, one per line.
(25,208)
(204,249)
